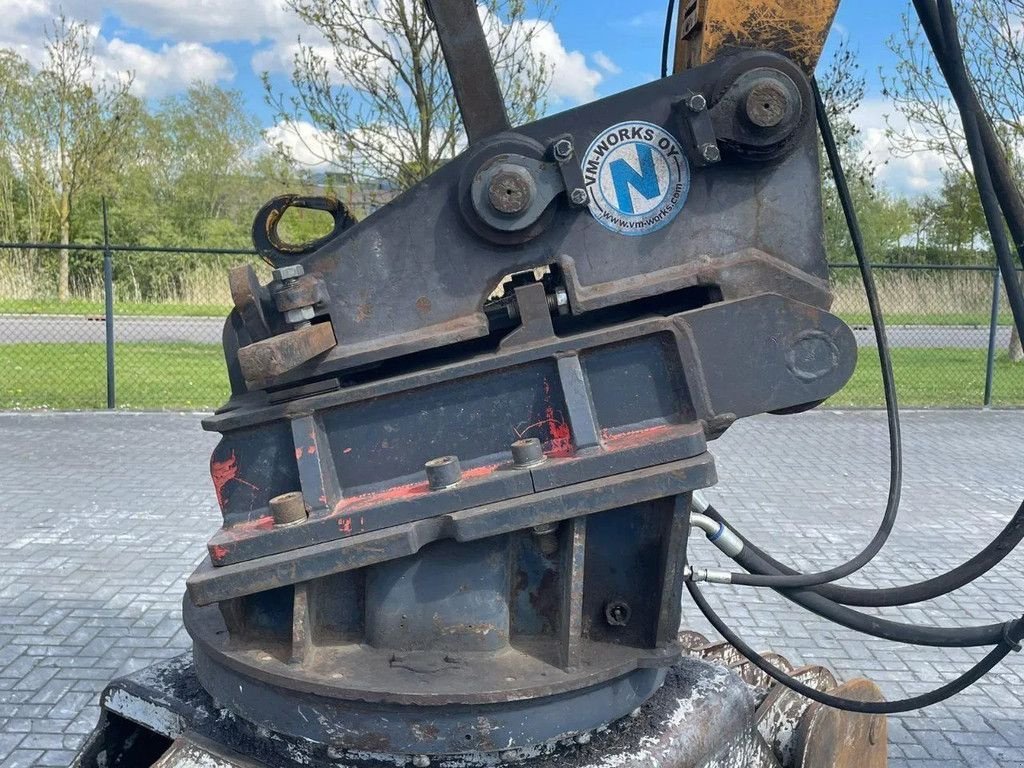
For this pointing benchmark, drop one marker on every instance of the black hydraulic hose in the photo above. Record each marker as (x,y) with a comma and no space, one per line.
(1010,199)
(753,558)
(788,578)
(969,678)
(961,88)
(884,629)
(666,39)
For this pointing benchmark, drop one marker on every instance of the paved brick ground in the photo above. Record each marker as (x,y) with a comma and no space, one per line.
(102,516)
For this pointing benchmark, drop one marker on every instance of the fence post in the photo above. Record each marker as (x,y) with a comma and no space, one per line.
(108,313)
(992,332)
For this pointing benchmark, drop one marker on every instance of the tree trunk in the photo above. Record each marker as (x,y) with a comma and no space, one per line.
(64,270)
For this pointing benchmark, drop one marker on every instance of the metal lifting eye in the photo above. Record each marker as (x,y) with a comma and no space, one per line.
(278,252)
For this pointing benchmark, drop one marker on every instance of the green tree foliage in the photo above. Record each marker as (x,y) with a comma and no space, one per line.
(995,58)
(377,90)
(885,220)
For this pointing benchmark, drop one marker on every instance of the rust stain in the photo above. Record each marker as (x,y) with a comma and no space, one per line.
(364,312)
(345,525)
(311,450)
(298,454)
(347,450)
(423,305)
(617,441)
(222,473)
(218,551)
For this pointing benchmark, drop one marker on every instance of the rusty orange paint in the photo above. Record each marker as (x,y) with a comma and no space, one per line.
(218,552)
(617,441)
(794,28)
(222,473)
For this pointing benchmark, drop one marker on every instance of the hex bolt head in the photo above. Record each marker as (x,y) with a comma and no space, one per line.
(697,102)
(578,196)
(617,613)
(443,472)
(288,508)
(421,761)
(527,453)
(562,150)
(511,190)
(290,272)
(767,103)
(710,153)
(299,315)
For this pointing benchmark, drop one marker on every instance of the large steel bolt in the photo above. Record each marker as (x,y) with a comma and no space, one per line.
(527,453)
(578,196)
(711,153)
(767,103)
(547,538)
(697,103)
(562,150)
(443,472)
(290,272)
(511,190)
(288,508)
(617,613)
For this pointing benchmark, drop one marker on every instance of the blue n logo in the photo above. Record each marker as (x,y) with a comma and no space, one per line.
(644,181)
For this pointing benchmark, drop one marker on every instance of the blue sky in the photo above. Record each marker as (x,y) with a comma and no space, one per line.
(596,47)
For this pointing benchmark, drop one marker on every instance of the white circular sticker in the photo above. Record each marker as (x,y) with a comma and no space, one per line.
(637,177)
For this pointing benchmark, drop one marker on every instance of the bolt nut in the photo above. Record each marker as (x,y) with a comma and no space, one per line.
(290,272)
(527,453)
(697,103)
(288,508)
(300,315)
(443,472)
(767,103)
(710,153)
(578,196)
(617,613)
(512,189)
(562,150)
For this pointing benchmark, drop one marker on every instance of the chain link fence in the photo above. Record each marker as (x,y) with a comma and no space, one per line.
(163,309)
(950,331)
(155,345)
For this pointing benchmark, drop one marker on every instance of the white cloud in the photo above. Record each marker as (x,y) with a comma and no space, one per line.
(572,80)
(604,62)
(912,175)
(199,20)
(166,70)
(157,71)
(303,141)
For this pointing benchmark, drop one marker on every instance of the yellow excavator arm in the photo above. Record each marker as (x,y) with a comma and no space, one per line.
(795,28)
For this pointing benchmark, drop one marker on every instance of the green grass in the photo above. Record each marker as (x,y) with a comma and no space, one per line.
(924,318)
(149,376)
(85,307)
(934,378)
(193,376)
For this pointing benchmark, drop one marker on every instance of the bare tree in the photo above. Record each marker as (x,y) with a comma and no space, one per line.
(80,126)
(377,90)
(995,58)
